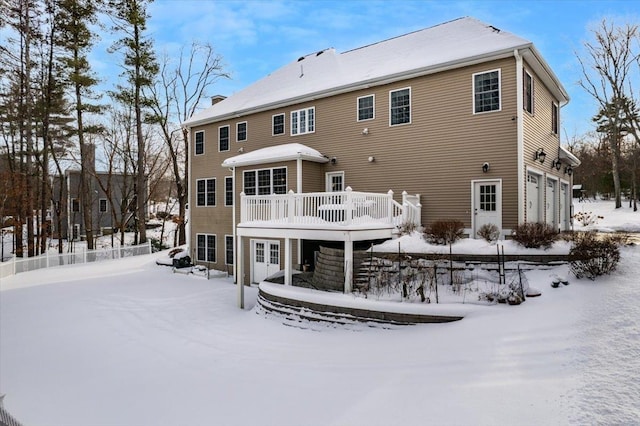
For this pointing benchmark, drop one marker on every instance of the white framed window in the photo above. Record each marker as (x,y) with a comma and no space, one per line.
(228,191)
(366,107)
(199,142)
(555,117)
(334,181)
(223,138)
(486,91)
(277,124)
(206,192)
(206,247)
(241,131)
(303,121)
(400,106)
(102,205)
(528,91)
(265,181)
(75,205)
(228,249)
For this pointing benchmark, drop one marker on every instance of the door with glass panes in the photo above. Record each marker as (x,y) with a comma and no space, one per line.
(487,204)
(266,259)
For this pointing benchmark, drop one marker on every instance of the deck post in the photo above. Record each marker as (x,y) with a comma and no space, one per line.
(239,276)
(348,264)
(287,261)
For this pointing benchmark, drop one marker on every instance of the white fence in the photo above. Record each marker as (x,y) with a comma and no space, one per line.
(320,208)
(17,265)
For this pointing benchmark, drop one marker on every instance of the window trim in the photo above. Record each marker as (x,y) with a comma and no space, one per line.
(226,178)
(206,192)
(75,201)
(206,248)
(246,131)
(529,87)
(226,249)
(228,138)
(298,121)
(255,171)
(373,108)
(555,118)
(195,142)
(106,205)
(284,122)
(328,182)
(391,107)
(473,91)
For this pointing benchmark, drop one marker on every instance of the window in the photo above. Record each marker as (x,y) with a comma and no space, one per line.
(303,121)
(206,192)
(528,92)
(334,182)
(488,202)
(241,131)
(486,91)
(199,143)
(228,191)
(102,205)
(223,138)
(75,205)
(206,247)
(278,124)
(366,107)
(265,181)
(555,117)
(400,106)
(228,249)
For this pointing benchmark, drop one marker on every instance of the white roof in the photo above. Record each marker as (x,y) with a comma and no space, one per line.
(565,154)
(453,44)
(286,152)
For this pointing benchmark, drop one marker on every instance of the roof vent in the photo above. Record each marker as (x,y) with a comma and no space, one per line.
(301,58)
(497,30)
(320,53)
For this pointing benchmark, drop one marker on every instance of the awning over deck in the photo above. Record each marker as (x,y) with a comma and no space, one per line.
(278,153)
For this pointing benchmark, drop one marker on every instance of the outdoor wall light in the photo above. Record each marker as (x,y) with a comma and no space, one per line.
(568,170)
(485,167)
(365,131)
(334,160)
(540,155)
(556,164)
(372,159)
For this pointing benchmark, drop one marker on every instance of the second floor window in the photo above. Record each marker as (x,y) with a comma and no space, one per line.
(75,205)
(400,107)
(278,124)
(228,191)
(241,131)
(102,205)
(265,181)
(206,192)
(528,92)
(366,108)
(303,121)
(486,91)
(555,117)
(223,138)
(199,143)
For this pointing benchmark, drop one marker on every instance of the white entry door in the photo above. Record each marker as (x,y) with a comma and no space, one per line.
(551,210)
(266,259)
(487,204)
(533,198)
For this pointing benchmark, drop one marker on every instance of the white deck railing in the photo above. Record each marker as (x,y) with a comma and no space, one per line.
(321,209)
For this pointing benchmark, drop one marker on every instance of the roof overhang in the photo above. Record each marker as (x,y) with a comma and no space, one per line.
(567,156)
(278,153)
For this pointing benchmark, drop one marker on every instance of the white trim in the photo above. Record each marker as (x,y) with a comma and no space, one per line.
(473,91)
(522,178)
(228,137)
(410,107)
(498,183)
(542,191)
(106,205)
(267,253)
(271,176)
(215,250)
(327,180)
(284,124)
(215,192)
(358,107)
(306,121)
(195,153)
(232,192)
(246,131)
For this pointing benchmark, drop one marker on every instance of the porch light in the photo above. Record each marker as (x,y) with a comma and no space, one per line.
(568,170)
(540,155)
(557,164)
(485,167)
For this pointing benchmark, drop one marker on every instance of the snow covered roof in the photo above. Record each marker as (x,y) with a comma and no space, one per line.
(286,152)
(453,44)
(565,154)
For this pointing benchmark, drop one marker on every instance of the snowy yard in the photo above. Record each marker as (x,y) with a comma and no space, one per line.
(128,343)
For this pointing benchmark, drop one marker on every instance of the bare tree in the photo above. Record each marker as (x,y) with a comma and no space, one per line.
(175,96)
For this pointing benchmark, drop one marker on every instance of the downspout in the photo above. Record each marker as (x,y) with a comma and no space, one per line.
(233,232)
(520,135)
(187,225)
(299,191)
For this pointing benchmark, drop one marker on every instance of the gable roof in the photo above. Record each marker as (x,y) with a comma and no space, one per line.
(454,44)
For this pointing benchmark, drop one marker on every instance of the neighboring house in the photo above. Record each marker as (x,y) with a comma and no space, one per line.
(462,113)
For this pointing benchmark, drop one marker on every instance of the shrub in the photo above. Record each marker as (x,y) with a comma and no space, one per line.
(157,245)
(535,235)
(489,232)
(406,228)
(587,218)
(445,231)
(591,256)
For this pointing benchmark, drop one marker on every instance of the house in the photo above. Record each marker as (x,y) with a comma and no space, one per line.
(457,121)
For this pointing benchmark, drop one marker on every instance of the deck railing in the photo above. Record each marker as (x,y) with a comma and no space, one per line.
(346,208)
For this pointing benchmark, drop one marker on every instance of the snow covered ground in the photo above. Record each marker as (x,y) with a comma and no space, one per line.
(128,343)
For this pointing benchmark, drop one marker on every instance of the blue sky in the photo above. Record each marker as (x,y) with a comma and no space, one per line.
(258,37)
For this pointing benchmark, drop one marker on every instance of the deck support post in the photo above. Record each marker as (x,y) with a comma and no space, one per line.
(239,273)
(348,264)
(288,270)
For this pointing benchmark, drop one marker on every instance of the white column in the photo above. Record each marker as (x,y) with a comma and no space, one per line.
(288,270)
(239,268)
(348,265)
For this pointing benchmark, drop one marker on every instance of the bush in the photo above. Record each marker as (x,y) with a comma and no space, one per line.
(591,256)
(406,228)
(445,231)
(489,232)
(535,235)
(157,245)
(587,218)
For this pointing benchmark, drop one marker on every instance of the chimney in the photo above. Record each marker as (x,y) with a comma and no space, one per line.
(217,98)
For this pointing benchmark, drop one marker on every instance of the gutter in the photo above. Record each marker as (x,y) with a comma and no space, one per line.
(520,134)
